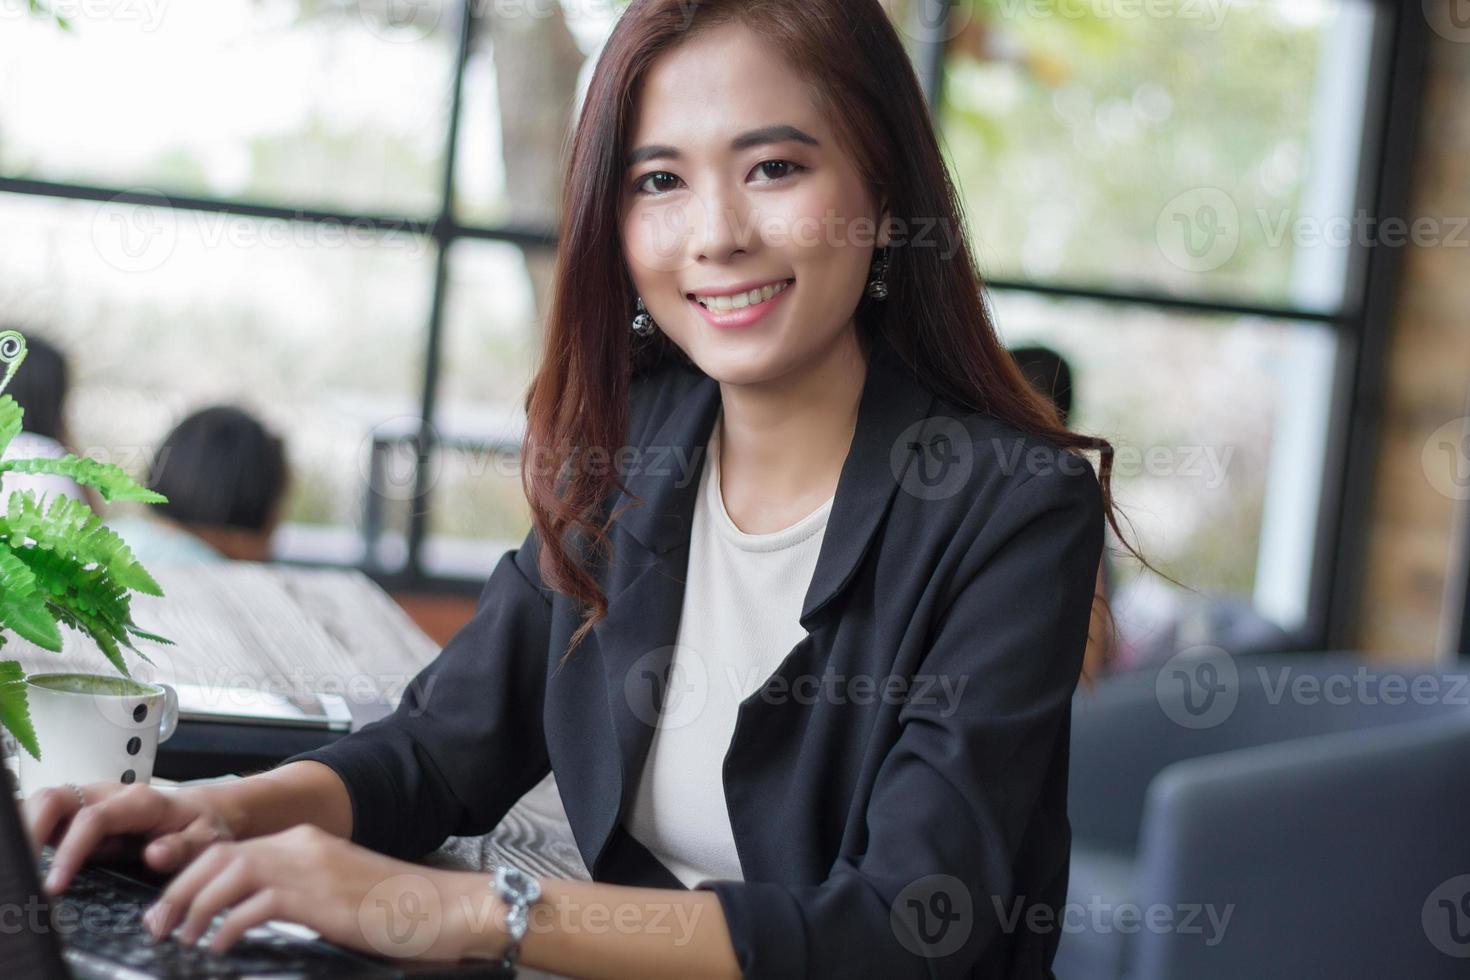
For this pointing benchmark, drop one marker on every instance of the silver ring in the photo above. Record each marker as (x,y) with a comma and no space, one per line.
(81,797)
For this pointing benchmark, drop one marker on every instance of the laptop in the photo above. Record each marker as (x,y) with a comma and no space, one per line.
(94,930)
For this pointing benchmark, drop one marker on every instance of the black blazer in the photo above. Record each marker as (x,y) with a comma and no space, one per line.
(900,783)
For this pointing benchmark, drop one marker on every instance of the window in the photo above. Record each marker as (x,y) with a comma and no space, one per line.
(342,216)
(1172,198)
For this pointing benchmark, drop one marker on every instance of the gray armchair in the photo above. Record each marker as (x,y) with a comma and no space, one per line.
(1296,828)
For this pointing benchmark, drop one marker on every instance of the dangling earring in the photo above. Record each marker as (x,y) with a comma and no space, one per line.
(643,324)
(877,287)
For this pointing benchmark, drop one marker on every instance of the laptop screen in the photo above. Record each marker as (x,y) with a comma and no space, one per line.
(28,943)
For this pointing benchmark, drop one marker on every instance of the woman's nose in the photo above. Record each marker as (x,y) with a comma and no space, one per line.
(725,225)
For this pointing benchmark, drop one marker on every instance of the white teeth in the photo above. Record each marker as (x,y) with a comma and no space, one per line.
(724,304)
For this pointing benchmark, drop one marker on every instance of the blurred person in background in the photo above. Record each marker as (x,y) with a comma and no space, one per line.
(225,476)
(40,388)
(1050,374)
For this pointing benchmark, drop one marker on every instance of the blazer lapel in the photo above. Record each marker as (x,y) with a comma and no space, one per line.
(645,584)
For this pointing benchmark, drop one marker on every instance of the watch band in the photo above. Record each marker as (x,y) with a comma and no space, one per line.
(517,890)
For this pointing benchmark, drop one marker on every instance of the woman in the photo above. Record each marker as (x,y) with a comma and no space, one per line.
(890,800)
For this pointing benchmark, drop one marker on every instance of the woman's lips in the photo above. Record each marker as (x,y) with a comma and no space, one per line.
(745,317)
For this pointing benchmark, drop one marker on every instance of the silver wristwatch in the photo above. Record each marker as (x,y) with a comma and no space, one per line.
(517,890)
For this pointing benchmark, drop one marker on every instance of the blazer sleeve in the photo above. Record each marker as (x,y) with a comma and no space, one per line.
(467,740)
(954,796)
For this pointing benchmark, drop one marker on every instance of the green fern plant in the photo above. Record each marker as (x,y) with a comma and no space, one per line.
(59,566)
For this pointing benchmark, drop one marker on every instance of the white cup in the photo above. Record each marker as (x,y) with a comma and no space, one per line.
(95,728)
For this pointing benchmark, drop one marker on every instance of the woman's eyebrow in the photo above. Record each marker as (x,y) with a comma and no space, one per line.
(755,137)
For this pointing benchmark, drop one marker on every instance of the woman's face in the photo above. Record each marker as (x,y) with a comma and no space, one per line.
(705,211)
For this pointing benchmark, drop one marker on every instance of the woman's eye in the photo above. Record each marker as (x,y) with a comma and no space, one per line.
(791,168)
(642,184)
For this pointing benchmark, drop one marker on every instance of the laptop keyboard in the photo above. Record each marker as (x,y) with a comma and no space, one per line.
(99,920)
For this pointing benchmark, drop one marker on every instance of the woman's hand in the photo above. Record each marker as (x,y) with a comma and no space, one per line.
(352,896)
(171,827)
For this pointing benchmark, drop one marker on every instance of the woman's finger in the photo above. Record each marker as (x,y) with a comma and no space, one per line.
(235,884)
(46,810)
(264,905)
(169,852)
(179,895)
(128,811)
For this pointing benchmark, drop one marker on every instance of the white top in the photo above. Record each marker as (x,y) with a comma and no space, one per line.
(742,597)
(28,445)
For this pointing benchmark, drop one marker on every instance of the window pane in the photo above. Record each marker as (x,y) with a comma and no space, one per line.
(1218,425)
(1210,152)
(163,312)
(492,340)
(528,68)
(319,105)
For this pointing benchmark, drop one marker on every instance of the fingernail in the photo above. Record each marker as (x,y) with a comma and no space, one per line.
(52,880)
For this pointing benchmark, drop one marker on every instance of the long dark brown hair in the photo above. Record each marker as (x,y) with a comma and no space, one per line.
(935,315)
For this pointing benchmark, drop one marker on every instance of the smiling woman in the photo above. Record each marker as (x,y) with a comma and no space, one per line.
(802,661)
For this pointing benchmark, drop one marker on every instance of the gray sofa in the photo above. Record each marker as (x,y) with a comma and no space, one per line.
(1270,816)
